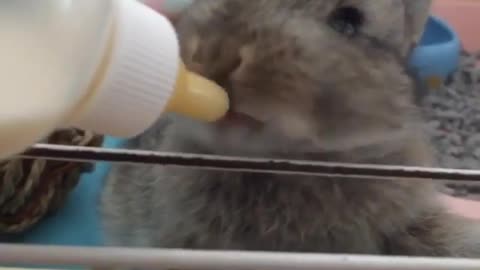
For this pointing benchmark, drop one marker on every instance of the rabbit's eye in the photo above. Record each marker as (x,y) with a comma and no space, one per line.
(346,20)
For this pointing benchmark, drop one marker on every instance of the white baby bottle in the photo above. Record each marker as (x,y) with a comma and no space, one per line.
(109,66)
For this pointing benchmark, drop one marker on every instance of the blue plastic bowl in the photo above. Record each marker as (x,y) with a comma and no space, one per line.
(438,53)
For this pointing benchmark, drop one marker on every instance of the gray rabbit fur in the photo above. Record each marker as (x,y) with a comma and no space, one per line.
(309,79)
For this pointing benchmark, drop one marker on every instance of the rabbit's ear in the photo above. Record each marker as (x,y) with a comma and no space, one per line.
(417,13)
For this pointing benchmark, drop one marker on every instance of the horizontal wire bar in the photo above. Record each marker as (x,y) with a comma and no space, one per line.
(217,260)
(91,154)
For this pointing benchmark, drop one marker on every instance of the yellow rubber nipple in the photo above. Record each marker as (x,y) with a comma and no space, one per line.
(197,97)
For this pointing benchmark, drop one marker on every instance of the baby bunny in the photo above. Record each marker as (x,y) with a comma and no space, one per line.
(319,80)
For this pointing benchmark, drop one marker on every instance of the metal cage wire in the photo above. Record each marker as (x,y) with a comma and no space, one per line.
(220,260)
(210,162)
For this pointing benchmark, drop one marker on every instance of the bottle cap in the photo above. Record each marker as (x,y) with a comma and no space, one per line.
(140,75)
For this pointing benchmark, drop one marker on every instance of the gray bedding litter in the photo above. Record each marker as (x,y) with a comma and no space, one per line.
(453,117)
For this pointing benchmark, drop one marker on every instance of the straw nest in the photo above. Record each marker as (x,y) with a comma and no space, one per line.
(32,189)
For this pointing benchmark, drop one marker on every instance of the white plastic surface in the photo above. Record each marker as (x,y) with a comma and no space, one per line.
(48,55)
(110,258)
(141,76)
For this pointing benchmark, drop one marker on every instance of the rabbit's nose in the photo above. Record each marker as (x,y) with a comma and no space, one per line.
(241,69)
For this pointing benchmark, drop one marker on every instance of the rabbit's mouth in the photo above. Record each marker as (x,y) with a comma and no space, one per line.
(235,119)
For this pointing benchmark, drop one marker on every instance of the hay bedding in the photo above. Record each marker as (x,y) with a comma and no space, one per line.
(30,190)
